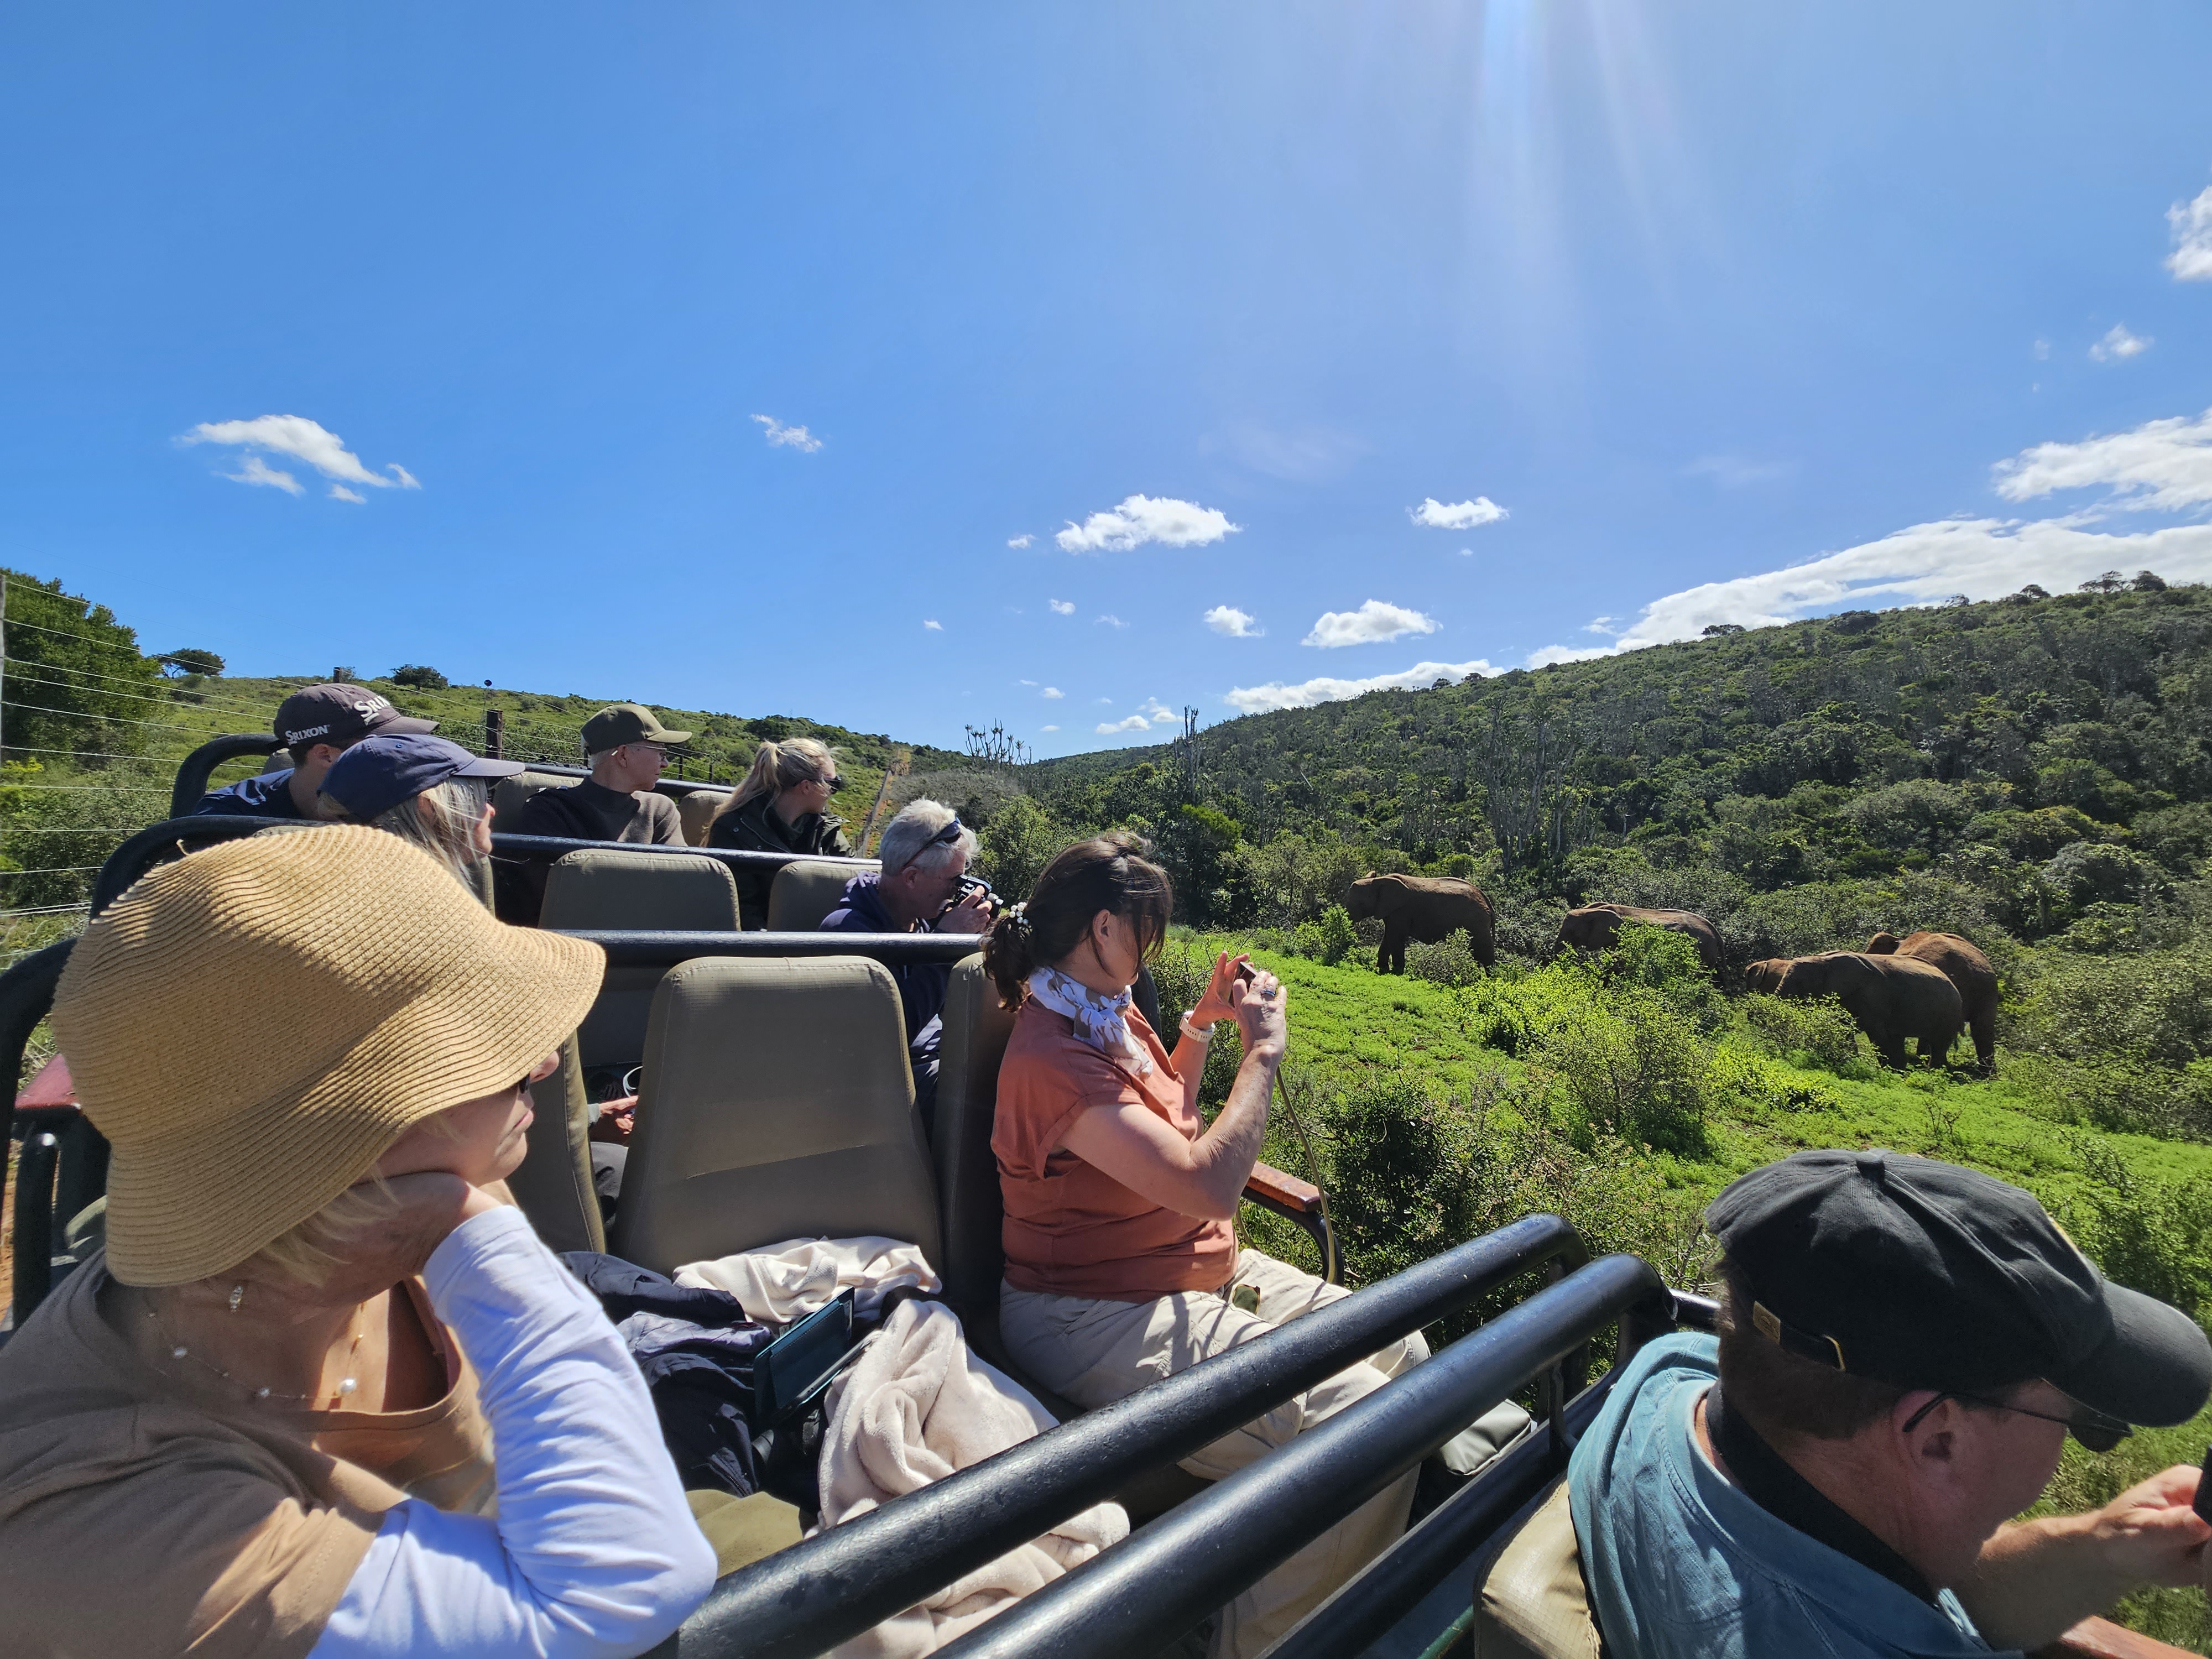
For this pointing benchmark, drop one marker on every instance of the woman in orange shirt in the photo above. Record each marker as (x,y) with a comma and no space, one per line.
(1122,1266)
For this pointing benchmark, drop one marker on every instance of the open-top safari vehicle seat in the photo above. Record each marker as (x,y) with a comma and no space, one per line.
(747,1032)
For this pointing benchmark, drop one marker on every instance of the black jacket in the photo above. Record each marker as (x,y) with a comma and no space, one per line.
(754,828)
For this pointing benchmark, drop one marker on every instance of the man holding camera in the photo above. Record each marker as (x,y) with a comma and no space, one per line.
(925,854)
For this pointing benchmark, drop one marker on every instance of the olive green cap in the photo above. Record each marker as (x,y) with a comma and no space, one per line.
(626,722)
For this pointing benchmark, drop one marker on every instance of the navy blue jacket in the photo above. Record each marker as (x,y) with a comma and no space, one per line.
(922,986)
(264,795)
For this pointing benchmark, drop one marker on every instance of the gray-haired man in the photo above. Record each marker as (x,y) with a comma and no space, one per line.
(925,852)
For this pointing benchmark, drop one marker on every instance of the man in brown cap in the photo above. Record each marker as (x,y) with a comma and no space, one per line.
(626,745)
(316,724)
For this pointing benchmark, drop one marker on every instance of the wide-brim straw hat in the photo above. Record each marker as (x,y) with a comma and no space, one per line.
(252,1026)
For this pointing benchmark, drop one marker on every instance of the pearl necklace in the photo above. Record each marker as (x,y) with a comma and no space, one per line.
(348,1386)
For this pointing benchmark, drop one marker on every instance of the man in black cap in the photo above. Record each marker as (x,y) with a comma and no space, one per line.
(317,724)
(1905,1347)
(626,745)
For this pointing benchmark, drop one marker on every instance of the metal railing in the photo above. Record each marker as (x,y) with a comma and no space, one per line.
(806,1599)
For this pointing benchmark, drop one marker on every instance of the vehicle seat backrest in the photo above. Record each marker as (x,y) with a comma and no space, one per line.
(508,794)
(604,887)
(1533,1604)
(553,1182)
(695,810)
(976,1033)
(777,1103)
(804,892)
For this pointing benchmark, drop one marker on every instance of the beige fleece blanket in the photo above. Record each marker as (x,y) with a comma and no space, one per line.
(780,1283)
(917,1406)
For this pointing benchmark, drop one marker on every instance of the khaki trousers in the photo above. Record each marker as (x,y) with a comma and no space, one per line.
(1096,1352)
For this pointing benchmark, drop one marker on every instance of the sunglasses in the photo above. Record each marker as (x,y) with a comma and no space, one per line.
(833,783)
(2093,1428)
(947,835)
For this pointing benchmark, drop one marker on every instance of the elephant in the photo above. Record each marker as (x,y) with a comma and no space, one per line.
(1431,908)
(1965,967)
(1891,997)
(1597,927)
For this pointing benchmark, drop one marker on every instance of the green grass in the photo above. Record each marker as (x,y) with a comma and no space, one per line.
(1354,1032)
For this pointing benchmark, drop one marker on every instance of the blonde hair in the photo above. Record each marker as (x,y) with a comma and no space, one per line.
(780,766)
(450,837)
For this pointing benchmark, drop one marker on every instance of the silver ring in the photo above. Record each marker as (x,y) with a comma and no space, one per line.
(1267,994)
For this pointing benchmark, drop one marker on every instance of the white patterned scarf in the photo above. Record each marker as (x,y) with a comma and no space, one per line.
(1098,1020)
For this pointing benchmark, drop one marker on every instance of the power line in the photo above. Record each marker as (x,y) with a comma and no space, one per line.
(89,639)
(86,754)
(120,829)
(47,910)
(55,870)
(116,789)
(97,691)
(79,715)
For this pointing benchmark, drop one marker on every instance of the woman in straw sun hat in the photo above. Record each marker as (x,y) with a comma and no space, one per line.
(263,1424)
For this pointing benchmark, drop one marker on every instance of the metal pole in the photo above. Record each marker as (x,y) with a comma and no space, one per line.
(1148,1590)
(495,734)
(806,1599)
(3,664)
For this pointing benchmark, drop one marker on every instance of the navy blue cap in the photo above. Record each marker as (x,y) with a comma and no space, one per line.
(377,774)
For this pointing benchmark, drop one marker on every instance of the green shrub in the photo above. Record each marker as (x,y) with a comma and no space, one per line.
(1339,935)
(2150,1234)
(1450,963)
(1624,1065)
(1817,1034)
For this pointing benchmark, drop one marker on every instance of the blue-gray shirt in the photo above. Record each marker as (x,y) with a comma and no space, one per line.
(1681,1565)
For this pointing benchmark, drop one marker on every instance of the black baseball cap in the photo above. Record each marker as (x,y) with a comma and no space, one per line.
(378,773)
(339,715)
(1927,1275)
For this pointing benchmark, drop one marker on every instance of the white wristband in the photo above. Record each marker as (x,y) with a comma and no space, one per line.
(1194,1033)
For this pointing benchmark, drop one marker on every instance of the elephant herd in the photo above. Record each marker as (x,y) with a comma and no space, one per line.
(1925,987)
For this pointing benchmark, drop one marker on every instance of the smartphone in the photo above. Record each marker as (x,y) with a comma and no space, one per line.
(1246,972)
(2202,1503)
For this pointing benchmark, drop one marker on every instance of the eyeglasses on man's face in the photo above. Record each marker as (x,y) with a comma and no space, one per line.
(2093,1428)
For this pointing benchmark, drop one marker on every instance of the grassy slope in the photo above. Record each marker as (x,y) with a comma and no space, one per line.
(1348,1021)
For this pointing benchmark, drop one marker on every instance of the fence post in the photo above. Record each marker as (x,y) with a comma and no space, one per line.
(496,733)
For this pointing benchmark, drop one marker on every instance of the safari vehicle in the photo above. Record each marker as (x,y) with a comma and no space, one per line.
(735,1031)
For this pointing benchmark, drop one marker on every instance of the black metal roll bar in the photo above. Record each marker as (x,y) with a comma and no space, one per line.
(1165,1579)
(644,948)
(131,859)
(806,1599)
(1388,1587)
(197,768)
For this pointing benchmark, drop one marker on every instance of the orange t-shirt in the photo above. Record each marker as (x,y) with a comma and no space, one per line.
(1071,1229)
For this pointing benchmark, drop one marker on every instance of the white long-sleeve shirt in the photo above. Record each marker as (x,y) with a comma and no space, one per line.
(593,1554)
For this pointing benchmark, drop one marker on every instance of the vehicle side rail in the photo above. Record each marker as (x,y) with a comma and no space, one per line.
(646,948)
(1299,1202)
(131,859)
(197,768)
(1149,1589)
(26,992)
(1367,1606)
(806,1599)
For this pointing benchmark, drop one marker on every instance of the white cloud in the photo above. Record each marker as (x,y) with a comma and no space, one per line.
(2191,258)
(1020,541)
(1142,519)
(1259,699)
(1051,693)
(304,441)
(1157,711)
(1106,702)
(1301,455)
(259,472)
(1467,552)
(340,493)
(1546,656)
(781,436)
(2118,345)
(933,624)
(1373,623)
(1047,728)
(1112,621)
(1133,723)
(1236,625)
(1455,516)
(2166,465)
(1062,607)
(1599,625)
(2042,349)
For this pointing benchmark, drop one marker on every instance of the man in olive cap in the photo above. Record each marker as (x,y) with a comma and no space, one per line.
(316,724)
(1905,1347)
(626,745)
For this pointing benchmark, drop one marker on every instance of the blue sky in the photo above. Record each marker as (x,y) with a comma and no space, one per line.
(1738,312)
